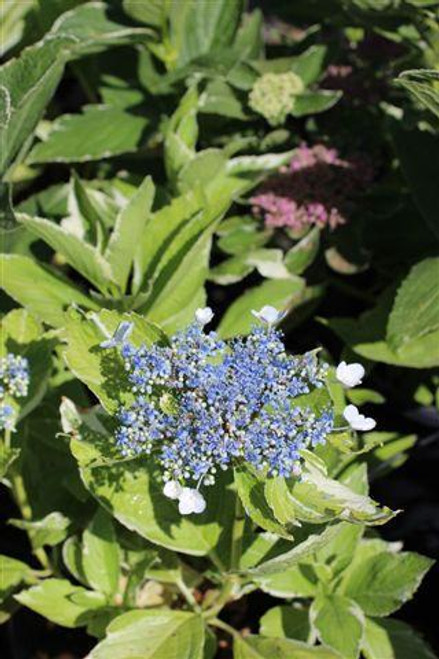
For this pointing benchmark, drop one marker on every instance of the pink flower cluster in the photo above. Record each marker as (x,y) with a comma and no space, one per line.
(317,188)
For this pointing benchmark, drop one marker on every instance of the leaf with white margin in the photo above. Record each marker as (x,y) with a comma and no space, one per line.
(152,634)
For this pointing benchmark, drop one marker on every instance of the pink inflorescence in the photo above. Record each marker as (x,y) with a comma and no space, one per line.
(317,188)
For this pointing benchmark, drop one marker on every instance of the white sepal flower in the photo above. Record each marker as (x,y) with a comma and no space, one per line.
(268,315)
(358,421)
(350,374)
(191,501)
(172,489)
(121,334)
(203,315)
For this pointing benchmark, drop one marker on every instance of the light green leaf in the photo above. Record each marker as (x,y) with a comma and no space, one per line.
(7,458)
(51,530)
(128,231)
(230,271)
(264,163)
(55,600)
(286,622)
(258,647)
(148,634)
(72,557)
(241,233)
(12,574)
(102,369)
(100,554)
(298,581)
(81,255)
(299,257)
(393,639)
(415,311)
(43,292)
(91,135)
(280,293)
(132,491)
(339,623)
(250,489)
(422,84)
(152,12)
(23,335)
(160,231)
(383,582)
(281,563)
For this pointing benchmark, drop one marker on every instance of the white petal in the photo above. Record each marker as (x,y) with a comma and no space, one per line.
(351,413)
(268,315)
(204,315)
(350,374)
(172,489)
(358,421)
(191,501)
(199,503)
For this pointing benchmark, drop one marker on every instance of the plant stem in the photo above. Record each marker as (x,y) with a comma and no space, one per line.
(215,622)
(229,590)
(237,535)
(188,595)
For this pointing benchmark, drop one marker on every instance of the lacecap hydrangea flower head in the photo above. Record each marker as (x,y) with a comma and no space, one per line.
(14,384)
(203,405)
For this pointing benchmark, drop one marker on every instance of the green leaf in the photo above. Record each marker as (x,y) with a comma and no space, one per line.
(415,311)
(23,335)
(367,337)
(51,530)
(7,458)
(198,27)
(148,634)
(250,489)
(127,233)
(393,639)
(100,554)
(176,293)
(297,581)
(72,557)
(82,256)
(281,563)
(257,647)
(12,574)
(152,12)
(314,102)
(28,82)
(102,369)
(160,231)
(230,271)
(264,163)
(91,135)
(422,84)
(61,602)
(241,233)
(280,293)
(309,64)
(220,98)
(286,621)
(339,623)
(299,257)
(383,582)
(131,490)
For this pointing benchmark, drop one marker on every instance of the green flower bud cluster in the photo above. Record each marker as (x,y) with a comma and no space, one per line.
(274,95)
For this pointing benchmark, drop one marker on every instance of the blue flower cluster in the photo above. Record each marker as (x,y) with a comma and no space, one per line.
(204,405)
(14,383)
